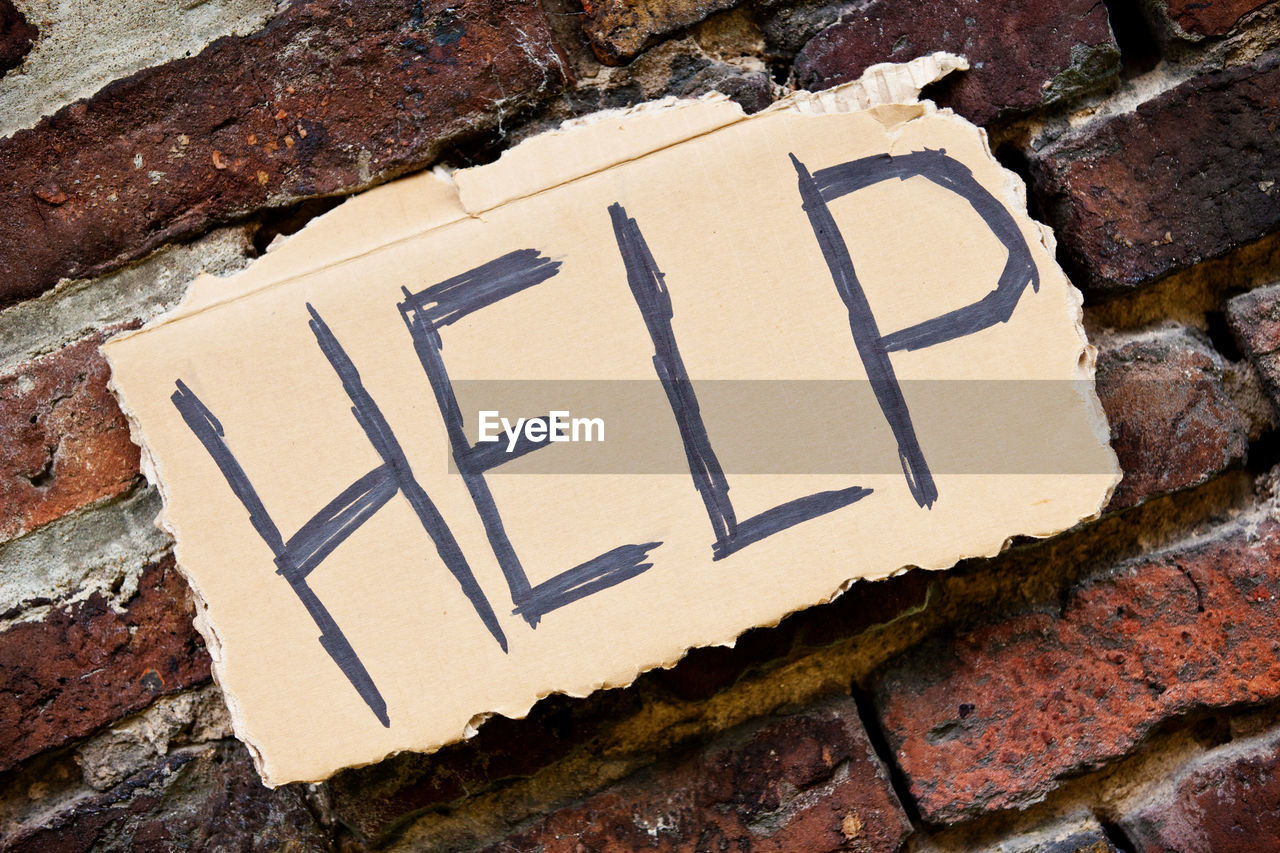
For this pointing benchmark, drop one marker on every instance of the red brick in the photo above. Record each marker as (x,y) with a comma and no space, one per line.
(1188,175)
(619,29)
(198,798)
(1254,318)
(328,97)
(809,781)
(1173,425)
(1228,801)
(16,36)
(83,667)
(1208,17)
(1022,55)
(998,715)
(64,442)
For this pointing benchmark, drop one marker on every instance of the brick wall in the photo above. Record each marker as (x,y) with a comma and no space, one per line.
(1115,688)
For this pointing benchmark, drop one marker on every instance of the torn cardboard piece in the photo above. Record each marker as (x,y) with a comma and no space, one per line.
(372,576)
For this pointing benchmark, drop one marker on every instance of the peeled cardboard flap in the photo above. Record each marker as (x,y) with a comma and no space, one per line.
(738,299)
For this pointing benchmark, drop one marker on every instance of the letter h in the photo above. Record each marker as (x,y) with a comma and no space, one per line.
(303,552)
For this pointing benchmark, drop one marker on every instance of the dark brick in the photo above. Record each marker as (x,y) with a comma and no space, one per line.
(1078,833)
(198,798)
(1207,17)
(1188,175)
(16,36)
(685,72)
(64,442)
(865,605)
(374,801)
(1227,801)
(998,715)
(809,781)
(619,29)
(703,672)
(82,667)
(329,97)
(786,28)
(1022,55)
(1173,424)
(1254,318)
(753,92)
(1091,842)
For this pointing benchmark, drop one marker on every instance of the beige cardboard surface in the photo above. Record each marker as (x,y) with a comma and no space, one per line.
(717,200)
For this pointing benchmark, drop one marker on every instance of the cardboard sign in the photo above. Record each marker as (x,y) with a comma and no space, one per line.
(642,384)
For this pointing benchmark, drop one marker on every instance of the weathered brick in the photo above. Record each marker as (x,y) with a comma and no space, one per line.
(1254,318)
(1187,175)
(329,97)
(1207,17)
(87,665)
(1022,55)
(997,715)
(198,798)
(1227,801)
(1173,424)
(809,781)
(16,36)
(619,29)
(64,443)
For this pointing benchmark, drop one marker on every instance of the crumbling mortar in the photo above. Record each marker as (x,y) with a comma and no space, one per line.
(170,722)
(78,308)
(101,549)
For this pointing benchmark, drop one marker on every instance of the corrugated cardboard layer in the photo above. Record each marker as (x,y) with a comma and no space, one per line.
(715,196)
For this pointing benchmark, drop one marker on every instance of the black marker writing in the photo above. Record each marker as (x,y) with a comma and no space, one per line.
(649,288)
(327,529)
(827,185)
(425,312)
(443,304)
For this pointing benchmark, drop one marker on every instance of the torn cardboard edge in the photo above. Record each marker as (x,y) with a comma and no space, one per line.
(434,200)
